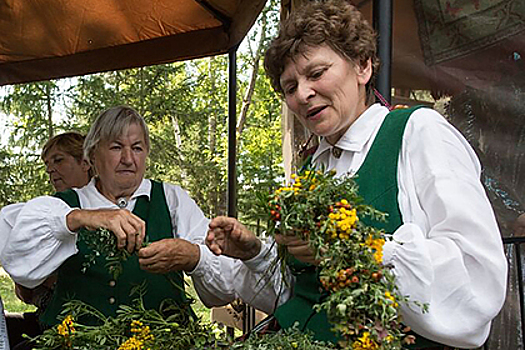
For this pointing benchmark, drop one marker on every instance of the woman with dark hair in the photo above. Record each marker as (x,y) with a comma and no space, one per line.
(412,164)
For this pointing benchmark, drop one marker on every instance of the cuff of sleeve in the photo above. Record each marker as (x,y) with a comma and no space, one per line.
(59,218)
(389,252)
(259,262)
(201,267)
(407,234)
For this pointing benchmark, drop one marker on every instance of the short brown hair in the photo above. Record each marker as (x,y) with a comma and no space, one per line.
(335,23)
(71,143)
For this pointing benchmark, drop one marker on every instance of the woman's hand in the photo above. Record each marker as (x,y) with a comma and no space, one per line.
(126,226)
(170,254)
(227,236)
(297,247)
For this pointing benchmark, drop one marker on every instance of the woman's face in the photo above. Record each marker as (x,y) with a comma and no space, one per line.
(120,163)
(64,170)
(326,91)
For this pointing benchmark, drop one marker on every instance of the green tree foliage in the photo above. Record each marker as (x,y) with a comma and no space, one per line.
(31,108)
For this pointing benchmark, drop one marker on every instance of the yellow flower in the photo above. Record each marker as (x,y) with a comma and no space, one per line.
(391,298)
(377,246)
(365,343)
(141,335)
(132,343)
(66,328)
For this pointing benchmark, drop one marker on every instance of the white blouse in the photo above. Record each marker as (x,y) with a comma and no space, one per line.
(35,241)
(448,252)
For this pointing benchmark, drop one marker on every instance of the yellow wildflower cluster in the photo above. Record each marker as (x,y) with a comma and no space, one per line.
(66,329)
(392,299)
(297,184)
(343,220)
(377,246)
(141,335)
(365,343)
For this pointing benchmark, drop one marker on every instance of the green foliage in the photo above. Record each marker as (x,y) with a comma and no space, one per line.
(23,177)
(133,328)
(171,327)
(287,339)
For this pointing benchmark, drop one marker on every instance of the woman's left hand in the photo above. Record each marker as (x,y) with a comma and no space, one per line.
(170,254)
(298,248)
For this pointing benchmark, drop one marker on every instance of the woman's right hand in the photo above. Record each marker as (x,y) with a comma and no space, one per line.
(227,236)
(298,248)
(129,229)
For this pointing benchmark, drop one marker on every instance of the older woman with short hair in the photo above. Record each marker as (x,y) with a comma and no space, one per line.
(412,164)
(45,234)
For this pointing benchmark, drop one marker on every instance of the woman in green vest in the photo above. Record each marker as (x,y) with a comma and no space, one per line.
(409,163)
(45,235)
(63,156)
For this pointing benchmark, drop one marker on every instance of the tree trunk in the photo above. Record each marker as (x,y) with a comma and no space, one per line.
(49,103)
(212,142)
(253,79)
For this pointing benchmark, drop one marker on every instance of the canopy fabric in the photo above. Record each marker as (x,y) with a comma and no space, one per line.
(44,39)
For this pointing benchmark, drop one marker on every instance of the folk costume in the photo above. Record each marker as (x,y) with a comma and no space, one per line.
(446,251)
(40,244)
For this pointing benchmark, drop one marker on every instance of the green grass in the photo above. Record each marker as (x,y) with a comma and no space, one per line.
(11,302)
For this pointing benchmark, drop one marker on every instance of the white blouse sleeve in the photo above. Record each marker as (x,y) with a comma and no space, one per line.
(38,240)
(448,253)
(218,279)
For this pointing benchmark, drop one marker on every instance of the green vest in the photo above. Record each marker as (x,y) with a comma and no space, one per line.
(377,181)
(96,286)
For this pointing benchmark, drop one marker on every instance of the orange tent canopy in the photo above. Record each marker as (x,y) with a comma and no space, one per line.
(44,40)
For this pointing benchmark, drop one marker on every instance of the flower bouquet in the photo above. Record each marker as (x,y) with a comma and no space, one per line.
(362,299)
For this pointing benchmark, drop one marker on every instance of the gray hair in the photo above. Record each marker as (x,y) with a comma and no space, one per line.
(110,125)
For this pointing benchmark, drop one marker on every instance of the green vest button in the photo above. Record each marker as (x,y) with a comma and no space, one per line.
(112,283)
(112,300)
